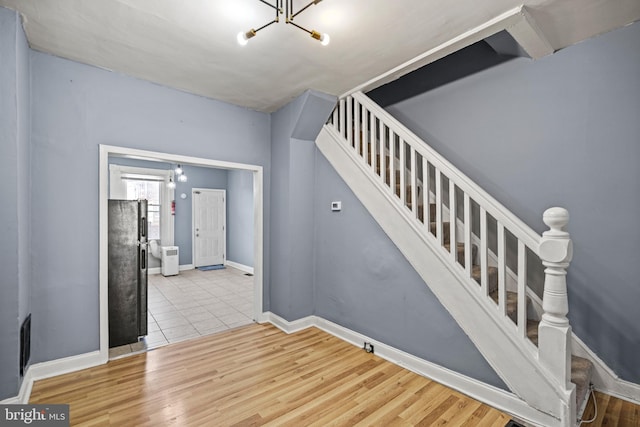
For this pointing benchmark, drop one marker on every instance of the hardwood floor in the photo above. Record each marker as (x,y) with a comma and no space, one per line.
(257,375)
(612,412)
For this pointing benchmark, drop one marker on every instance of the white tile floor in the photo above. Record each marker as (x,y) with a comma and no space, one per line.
(192,304)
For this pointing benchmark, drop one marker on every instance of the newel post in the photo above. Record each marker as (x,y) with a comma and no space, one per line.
(556,252)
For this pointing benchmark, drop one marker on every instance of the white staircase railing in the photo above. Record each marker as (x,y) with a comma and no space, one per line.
(416,177)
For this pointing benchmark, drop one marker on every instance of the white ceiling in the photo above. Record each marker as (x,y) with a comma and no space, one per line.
(191,44)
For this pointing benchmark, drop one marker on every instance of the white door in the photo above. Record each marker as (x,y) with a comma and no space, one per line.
(209,217)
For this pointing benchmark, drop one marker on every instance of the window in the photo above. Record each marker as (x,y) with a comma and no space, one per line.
(149,190)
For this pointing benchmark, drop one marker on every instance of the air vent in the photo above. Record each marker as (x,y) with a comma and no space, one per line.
(25,344)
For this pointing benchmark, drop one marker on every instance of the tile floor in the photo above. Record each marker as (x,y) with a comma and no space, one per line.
(192,304)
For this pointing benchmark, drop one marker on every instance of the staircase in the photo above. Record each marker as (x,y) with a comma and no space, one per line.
(477,257)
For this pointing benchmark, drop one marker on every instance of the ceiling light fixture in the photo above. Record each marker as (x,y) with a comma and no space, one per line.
(323,38)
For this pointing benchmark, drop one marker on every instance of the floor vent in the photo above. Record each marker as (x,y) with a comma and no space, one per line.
(513,424)
(25,344)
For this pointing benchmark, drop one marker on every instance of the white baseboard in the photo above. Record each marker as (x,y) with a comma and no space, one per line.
(485,393)
(40,371)
(239,266)
(158,270)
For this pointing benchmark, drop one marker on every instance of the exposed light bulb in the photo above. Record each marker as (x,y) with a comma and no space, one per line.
(171,185)
(324,39)
(178,170)
(182,178)
(243,38)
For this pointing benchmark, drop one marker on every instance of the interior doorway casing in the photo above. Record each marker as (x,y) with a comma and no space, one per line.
(258,213)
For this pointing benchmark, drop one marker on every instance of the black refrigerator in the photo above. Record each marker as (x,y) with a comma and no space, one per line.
(128,258)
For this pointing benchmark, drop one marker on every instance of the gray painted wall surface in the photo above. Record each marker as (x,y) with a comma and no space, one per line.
(77,108)
(279,299)
(364,283)
(240,217)
(9,225)
(292,159)
(23,77)
(214,179)
(561,131)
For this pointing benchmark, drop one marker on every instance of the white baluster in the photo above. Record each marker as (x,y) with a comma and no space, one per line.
(357,136)
(372,141)
(426,198)
(468,248)
(343,118)
(484,264)
(556,252)
(502,269)
(350,120)
(403,173)
(383,152)
(439,229)
(522,289)
(453,220)
(414,181)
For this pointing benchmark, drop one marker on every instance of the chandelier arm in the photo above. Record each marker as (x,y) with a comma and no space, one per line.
(293,15)
(298,26)
(266,25)
(269,4)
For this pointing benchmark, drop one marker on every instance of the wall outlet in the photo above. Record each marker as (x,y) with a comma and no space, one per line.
(336,206)
(368,347)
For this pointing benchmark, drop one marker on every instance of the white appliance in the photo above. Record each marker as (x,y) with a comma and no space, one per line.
(169,258)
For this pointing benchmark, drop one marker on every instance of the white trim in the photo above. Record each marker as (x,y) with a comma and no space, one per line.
(485,393)
(517,21)
(158,270)
(258,224)
(287,326)
(239,266)
(40,371)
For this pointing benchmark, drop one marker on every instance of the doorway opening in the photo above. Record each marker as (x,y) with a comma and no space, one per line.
(190,278)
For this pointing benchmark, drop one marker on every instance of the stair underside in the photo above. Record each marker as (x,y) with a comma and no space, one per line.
(532,389)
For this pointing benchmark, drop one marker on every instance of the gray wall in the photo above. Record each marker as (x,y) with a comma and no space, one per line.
(560,131)
(364,283)
(294,128)
(279,298)
(198,177)
(240,217)
(15,211)
(77,108)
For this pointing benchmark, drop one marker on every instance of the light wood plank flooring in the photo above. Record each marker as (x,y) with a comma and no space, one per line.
(612,412)
(257,375)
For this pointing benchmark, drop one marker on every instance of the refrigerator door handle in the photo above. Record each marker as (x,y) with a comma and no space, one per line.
(143,227)
(143,260)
